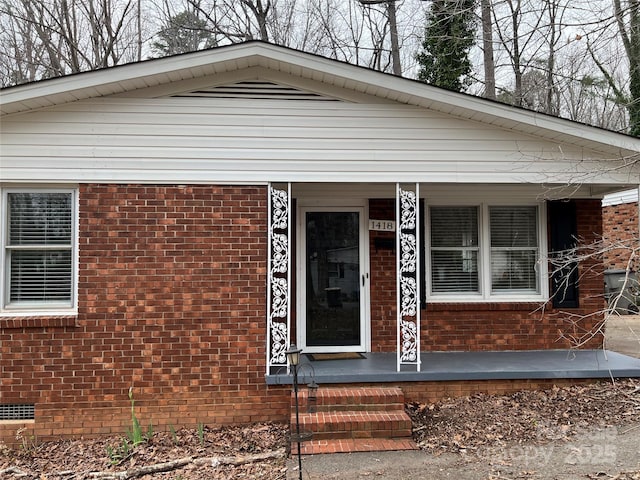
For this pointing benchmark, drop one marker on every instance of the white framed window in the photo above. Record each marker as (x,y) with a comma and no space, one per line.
(38,250)
(486,252)
(454,249)
(513,233)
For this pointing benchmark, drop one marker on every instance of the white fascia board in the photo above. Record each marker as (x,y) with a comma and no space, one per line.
(117,79)
(627,196)
(495,113)
(153,72)
(477,108)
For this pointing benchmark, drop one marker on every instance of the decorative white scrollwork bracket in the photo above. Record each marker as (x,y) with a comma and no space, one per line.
(408,275)
(278,277)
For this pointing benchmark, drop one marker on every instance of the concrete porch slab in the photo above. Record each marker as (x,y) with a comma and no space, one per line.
(448,366)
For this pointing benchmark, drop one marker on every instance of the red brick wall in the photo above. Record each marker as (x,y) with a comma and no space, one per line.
(171,302)
(382,255)
(620,225)
(487,326)
(434,391)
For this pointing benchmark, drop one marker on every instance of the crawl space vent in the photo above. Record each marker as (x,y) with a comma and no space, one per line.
(17,412)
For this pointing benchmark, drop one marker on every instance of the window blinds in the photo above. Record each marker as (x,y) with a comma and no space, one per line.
(514,248)
(454,249)
(39,247)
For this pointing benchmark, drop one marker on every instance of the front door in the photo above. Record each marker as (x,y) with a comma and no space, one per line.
(333,308)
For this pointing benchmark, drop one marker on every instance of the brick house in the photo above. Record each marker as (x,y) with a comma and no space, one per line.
(620,224)
(173,225)
(620,235)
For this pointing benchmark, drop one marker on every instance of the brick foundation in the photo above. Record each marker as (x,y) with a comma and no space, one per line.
(434,391)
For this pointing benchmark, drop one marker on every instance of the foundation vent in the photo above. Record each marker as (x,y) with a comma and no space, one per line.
(17,411)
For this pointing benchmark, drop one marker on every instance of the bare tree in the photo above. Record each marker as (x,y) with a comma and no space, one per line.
(611,36)
(553,10)
(361,33)
(584,94)
(66,36)
(392,22)
(628,22)
(583,260)
(20,55)
(517,22)
(239,20)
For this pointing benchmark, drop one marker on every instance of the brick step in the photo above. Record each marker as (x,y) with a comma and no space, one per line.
(354,424)
(351,399)
(352,419)
(349,445)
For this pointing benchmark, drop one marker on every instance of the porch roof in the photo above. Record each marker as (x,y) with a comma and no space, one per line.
(448,366)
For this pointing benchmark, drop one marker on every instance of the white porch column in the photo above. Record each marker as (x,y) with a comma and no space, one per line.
(408,275)
(278,276)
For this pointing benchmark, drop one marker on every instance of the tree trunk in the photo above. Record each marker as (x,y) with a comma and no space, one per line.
(630,35)
(550,106)
(515,56)
(393,29)
(487,46)
(634,67)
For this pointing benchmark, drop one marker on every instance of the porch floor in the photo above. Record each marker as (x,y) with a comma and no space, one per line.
(443,366)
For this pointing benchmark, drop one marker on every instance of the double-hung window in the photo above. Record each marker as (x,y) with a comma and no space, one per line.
(454,249)
(514,249)
(485,252)
(38,250)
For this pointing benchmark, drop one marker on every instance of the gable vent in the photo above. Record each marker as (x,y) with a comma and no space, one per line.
(17,412)
(257,90)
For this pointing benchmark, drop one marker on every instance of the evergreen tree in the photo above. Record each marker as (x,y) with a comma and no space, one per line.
(448,36)
(182,33)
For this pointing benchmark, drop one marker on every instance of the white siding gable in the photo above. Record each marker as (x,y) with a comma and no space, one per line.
(262,120)
(253,140)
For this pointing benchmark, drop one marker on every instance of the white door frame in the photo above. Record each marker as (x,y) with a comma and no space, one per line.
(324,205)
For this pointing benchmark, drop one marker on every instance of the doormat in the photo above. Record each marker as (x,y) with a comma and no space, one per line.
(317,357)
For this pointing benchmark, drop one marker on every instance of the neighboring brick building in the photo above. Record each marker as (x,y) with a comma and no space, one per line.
(620,225)
(172,226)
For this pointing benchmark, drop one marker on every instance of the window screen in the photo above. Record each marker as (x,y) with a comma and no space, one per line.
(514,248)
(454,249)
(39,248)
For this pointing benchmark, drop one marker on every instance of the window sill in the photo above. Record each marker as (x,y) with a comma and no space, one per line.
(484,306)
(8,321)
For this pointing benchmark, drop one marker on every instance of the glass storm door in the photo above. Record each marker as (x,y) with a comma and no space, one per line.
(334,287)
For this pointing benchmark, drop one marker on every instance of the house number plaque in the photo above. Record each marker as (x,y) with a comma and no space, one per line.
(382,225)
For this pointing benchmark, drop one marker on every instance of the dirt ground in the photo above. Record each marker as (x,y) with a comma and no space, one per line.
(623,334)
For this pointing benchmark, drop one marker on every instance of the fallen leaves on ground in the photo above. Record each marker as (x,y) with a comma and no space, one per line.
(460,424)
(83,459)
(452,425)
